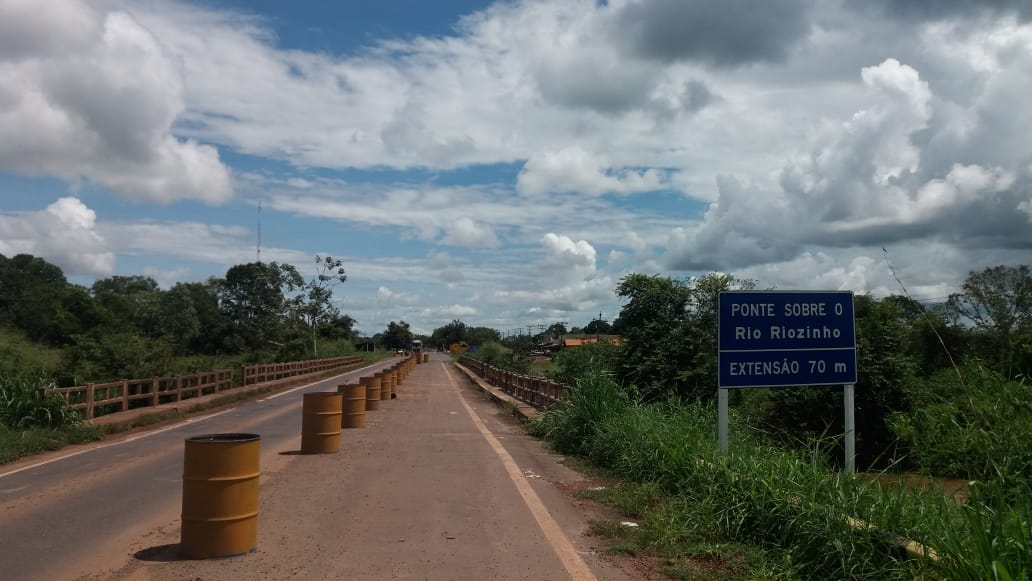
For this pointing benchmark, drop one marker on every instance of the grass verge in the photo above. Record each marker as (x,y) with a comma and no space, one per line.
(680,537)
(823,524)
(19,442)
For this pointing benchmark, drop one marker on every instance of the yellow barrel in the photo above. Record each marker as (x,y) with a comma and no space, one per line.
(220,495)
(320,425)
(387,384)
(372,384)
(426,358)
(353,408)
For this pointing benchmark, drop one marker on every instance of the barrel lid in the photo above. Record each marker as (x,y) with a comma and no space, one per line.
(224,438)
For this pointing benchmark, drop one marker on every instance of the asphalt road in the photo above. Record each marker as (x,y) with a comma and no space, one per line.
(440,484)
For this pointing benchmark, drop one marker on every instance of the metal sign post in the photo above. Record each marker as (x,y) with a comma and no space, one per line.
(787,339)
(847,401)
(722,420)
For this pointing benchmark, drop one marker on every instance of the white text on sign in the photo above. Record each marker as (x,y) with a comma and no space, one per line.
(790,310)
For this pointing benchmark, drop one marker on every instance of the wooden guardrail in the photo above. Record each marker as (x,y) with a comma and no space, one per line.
(254,374)
(537,391)
(98,399)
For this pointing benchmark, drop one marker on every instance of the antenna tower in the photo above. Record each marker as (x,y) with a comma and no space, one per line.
(258,250)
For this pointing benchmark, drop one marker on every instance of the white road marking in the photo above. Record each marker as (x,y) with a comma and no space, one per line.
(564,549)
(185,422)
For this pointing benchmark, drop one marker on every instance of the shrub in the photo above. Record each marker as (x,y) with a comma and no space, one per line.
(572,363)
(497,355)
(980,428)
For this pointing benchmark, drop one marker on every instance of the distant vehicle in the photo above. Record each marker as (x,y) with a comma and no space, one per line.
(417,345)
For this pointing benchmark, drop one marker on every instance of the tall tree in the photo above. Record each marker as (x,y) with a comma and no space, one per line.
(254,297)
(450,334)
(556,331)
(36,298)
(314,305)
(998,301)
(669,328)
(397,336)
(598,327)
(130,301)
(192,322)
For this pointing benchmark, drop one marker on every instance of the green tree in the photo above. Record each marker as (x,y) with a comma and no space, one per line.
(575,363)
(998,301)
(111,354)
(652,327)
(192,322)
(130,303)
(936,340)
(669,329)
(556,331)
(254,297)
(36,298)
(453,332)
(481,335)
(397,336)
(339,327)
(598,327)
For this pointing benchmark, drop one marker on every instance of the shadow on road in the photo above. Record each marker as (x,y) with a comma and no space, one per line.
(160,553)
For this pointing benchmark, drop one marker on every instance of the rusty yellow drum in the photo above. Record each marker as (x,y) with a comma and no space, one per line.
(220,495)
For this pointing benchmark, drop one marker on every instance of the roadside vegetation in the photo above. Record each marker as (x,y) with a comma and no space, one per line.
(33,420)
(57,334)
(790,505)
(942,393)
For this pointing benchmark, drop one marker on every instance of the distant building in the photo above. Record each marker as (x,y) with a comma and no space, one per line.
(577,341)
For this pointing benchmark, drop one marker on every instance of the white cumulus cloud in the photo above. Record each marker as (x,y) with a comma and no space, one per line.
(575,170)
(467,232)
(92,95)
(64,233)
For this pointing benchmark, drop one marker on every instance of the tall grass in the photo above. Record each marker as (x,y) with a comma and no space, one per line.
(26,401)
(789,500)
(34,420)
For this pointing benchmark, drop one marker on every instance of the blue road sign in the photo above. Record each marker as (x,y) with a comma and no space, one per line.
(786,338)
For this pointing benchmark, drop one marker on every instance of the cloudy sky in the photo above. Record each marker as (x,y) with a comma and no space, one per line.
(507,163)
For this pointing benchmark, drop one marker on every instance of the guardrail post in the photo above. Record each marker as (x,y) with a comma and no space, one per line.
(125,394)
(155,384)
(89,401)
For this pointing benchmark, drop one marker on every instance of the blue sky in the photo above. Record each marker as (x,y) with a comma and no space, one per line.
(508,163)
